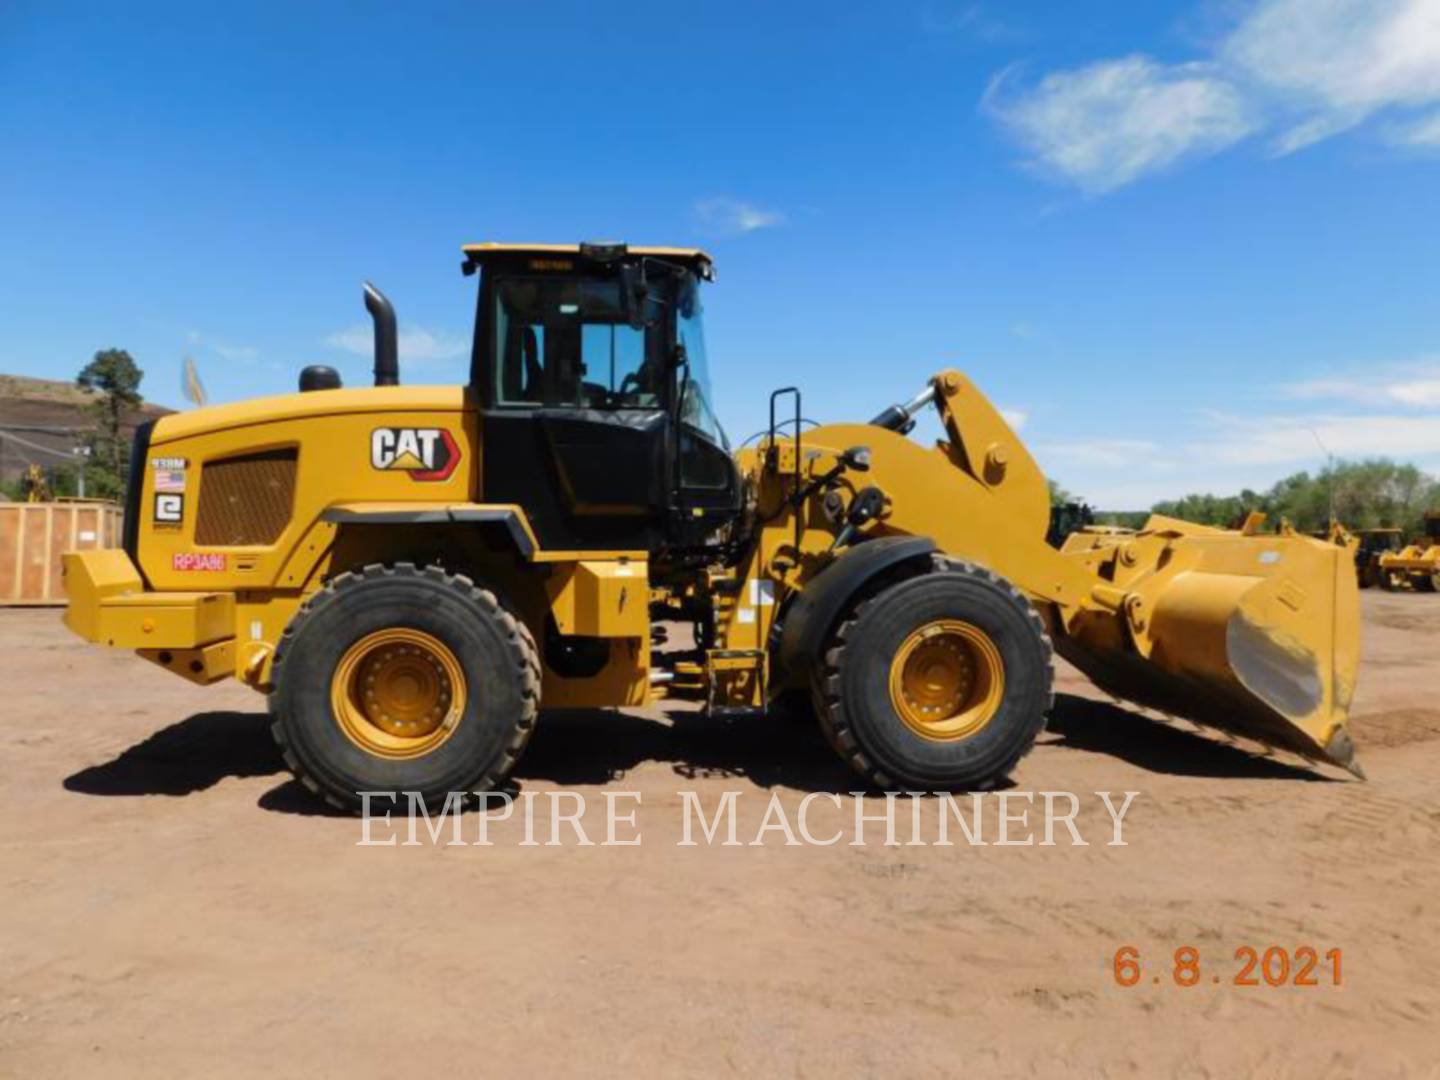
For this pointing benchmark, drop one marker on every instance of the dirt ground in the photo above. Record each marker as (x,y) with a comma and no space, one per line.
(175,905)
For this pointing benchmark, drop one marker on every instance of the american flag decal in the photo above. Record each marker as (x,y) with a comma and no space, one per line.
(169,479)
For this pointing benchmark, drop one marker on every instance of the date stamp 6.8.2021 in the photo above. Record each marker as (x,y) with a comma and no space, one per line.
(1249,965)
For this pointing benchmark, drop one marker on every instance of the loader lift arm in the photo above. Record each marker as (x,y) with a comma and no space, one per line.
(1253,634)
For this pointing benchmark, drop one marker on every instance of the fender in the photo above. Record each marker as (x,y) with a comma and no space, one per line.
(808,622)
(510,518)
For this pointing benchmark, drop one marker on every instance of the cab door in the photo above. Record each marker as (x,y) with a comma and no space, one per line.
(576,428)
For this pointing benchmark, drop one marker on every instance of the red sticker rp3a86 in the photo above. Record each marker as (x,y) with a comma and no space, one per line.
(213,561)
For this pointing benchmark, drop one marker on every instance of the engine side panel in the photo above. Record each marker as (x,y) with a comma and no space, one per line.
(412,446)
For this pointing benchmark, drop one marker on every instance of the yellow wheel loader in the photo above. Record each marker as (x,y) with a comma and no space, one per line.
(1416,565)
(414,574)
(1372,548)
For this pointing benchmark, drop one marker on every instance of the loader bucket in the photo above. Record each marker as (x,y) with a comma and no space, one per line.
(1253,634)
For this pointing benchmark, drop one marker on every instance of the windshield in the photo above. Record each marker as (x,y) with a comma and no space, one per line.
(566,341)
(689,332)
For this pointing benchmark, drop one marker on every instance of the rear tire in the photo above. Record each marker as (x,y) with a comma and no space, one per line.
(458,679)
(1424,582)
(939,682)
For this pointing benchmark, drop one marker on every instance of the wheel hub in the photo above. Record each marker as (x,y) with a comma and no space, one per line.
(946,680)
(398,693)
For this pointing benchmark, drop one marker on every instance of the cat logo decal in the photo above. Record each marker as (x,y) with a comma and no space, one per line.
(427,454)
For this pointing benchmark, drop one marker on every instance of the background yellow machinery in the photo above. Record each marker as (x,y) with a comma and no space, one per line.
(1416,565)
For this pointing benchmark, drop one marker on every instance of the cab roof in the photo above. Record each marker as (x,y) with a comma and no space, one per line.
(696,259)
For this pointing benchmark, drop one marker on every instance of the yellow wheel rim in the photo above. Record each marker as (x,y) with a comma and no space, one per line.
(946,680)
(398,693)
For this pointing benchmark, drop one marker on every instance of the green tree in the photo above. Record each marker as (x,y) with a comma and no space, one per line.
(114,376)
(1222,511)
(1364,495)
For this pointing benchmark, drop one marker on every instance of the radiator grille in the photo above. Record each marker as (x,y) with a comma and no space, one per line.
(246,499)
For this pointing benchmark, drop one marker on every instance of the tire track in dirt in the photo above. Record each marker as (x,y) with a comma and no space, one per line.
(1395,727)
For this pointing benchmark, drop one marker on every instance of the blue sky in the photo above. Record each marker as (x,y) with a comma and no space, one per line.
(1176,241)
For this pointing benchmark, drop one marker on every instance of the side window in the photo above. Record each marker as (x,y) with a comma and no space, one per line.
(566,342)
(704,452)
(519,345)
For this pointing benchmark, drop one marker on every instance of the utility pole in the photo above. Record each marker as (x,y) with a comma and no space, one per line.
(1330,468)
(81,453)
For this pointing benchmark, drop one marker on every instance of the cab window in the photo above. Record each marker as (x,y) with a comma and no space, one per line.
(566,342)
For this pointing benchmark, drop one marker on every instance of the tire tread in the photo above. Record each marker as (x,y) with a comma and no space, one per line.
(826,690)
(521,641)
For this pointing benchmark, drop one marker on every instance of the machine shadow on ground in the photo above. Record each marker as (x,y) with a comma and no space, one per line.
(599,747)
(195,754)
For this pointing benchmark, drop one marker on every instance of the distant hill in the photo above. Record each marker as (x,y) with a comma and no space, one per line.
(39,415)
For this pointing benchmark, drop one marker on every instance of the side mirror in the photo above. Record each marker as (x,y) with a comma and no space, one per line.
(634,294)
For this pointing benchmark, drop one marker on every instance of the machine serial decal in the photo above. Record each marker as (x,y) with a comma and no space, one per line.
(424,453)
(212,561)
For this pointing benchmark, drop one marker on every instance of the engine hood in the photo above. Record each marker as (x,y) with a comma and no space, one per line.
(317,403)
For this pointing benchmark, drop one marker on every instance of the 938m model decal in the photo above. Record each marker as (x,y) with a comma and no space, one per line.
(424,453)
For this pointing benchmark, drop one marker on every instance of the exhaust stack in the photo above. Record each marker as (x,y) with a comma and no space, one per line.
(387,352)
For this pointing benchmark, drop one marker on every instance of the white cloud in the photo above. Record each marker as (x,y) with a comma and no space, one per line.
(1308,69)
(1228,439)
(1340,61)
(966,20)
(416,344)
(236,352)
(1107,124)
(1424,133)
(729,215)
(1316,129)
(1408,386)
(1101,453)
(221,349)
(1224,453)
(1014,417)
(941,19)
(1373,410)
(1295,440)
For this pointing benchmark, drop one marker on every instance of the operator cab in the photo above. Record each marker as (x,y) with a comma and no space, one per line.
(595,406)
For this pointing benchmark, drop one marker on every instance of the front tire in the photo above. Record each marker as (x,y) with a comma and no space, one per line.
(940,682)
(400,679)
